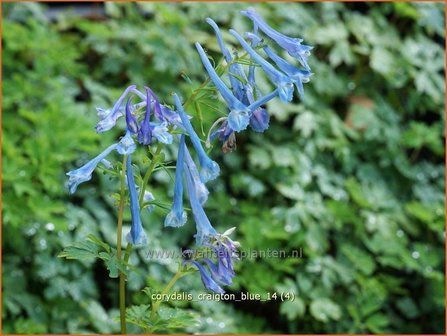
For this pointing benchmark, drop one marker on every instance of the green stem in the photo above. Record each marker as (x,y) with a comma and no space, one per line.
(119,232)
(149,171)
(166,290)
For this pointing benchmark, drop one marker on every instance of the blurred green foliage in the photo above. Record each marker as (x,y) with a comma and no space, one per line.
(353,174)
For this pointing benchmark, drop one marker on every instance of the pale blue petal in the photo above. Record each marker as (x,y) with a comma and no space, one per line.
(126,145)
(136,236)
(85,172)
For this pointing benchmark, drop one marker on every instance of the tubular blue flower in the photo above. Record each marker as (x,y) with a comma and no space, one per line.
(225,251)
(148,129)
(107,163)
(292,45)
(200,188)
(126,145)
(259,120)
(161,133)
(251,68)
(224,133)
(282,82)
(171,116)
(109,117)
(145,132)
(131,122)
(239,89)
(136,236)
(207,281)
(239,116)
(177,216)
(148,197)
(219,272)
(297,75)
(157,106)
(203,225)
(85,172)
(209,169)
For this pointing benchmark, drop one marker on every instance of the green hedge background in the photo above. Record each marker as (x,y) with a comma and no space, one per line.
(353,174)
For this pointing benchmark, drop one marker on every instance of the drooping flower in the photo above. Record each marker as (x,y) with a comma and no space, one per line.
(145,132)
(177,216)
(207,281)
(85,172)
(239,116)
(107,163)
(148,197)
(282,82)
(291,44)
(160,131)
(131,122)
(110,116)
(209,168)
(126,145)
(221,272)
(136,235)
(235,69)
(203,225)
(297,75)
(149,129)
(225,250)
(259,120)
(200,187)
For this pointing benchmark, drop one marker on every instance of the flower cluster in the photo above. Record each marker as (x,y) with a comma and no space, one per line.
(149,121)
(245,100)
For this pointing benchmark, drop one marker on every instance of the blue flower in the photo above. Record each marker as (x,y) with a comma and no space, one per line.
(126,145)
(209,169)
(282,82)
(203,225)
(297,75)
(238,87)
(225,250)
(225,134)
(131,122)
(200,188)
(292,45)
(259,120)
(149,129)
(239,116)
(85,172)
(207,281)
(109,117)
(107,163)
(177,217)
(136,236)
(161,133)
(145,132)
(148,197)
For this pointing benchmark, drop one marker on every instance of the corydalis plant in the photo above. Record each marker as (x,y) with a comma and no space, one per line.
(150,124)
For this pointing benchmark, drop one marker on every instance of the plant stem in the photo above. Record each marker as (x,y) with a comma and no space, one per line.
(149,171)
(166,290)
(119,231)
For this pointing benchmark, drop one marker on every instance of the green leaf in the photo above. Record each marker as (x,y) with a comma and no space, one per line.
(80,251)
(357,193)
(113,265)
(324,310)
(377,322)
(292,309)
(99,242)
